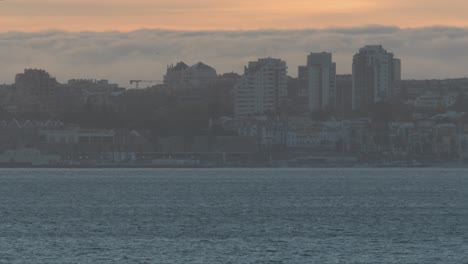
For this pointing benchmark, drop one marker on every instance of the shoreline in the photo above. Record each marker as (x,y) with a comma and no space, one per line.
(434,166)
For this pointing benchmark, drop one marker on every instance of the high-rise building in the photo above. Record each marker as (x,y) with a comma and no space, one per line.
(302,81)
(319,78)
(375,75)
(262,89)
(396,70)
(396,76)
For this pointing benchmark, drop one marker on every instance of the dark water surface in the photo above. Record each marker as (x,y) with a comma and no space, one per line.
(234,216)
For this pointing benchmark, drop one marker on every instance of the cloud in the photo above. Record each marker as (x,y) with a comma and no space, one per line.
(432,52)
(74,15)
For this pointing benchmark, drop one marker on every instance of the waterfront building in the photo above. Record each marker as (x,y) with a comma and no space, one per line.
(76,140)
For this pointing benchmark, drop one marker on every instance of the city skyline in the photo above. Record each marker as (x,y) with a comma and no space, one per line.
(428,53)
(120,15)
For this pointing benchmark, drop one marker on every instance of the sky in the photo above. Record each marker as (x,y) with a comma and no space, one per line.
(126,15)
(123,40)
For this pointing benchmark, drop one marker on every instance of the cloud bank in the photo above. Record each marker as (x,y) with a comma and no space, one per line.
(432,52)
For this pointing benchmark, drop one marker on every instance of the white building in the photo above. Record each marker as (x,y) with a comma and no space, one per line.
(28,157)
(77,136)
(262,89)
(321,81)
(302,133)
(268,134)
(375,75)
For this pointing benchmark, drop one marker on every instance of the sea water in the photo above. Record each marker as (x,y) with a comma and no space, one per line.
(234,216)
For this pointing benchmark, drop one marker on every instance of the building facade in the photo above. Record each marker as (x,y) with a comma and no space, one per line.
(262,89)
(375,75)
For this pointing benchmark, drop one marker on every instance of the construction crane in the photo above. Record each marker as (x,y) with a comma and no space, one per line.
(137,82)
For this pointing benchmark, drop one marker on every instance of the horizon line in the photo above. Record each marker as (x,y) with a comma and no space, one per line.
(328,28)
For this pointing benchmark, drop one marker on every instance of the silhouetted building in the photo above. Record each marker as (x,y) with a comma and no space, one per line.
(319,77)
(35,92)
(344,94)
(302,81)
(375,73)
(182,76)
(262,89)
(397,76)
(173,77)
(94,92)
(198,75)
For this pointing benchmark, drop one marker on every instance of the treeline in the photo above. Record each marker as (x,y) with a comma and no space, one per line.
(149,110)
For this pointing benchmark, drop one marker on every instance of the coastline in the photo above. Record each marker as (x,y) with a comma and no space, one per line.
(127,166)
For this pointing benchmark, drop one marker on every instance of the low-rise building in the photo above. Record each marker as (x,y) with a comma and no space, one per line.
(432,102)
(77,140)
(25,157)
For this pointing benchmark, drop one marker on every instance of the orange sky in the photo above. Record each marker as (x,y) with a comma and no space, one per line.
(125,15)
